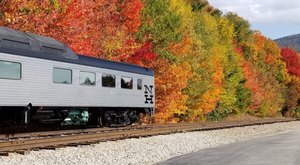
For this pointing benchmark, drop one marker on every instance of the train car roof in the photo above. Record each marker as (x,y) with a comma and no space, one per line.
(36,46)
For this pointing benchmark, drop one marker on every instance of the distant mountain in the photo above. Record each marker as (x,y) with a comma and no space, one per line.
(292,41)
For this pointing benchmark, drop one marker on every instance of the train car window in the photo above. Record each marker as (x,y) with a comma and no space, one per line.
(87,78)
(126,82)
(108,80)
(139,84)
(10,70)
(62,76)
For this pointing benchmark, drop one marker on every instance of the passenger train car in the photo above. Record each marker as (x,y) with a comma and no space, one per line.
(44,81)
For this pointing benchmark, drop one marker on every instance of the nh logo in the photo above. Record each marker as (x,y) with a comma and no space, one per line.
(148,94)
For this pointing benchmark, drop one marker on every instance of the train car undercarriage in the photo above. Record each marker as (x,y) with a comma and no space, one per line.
(71,116)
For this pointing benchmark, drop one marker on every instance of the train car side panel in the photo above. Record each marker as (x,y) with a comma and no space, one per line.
(37,87)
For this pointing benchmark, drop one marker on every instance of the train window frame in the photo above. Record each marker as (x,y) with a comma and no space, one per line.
(95,78)
(20,70)
(130,86)
(139,86)
(103,78)
(62,69)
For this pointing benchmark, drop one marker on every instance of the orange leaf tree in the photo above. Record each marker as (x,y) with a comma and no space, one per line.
(66,21)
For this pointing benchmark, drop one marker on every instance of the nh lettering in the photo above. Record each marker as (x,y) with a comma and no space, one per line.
(148,94)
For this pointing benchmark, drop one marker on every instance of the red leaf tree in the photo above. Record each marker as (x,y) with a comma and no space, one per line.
(291,58)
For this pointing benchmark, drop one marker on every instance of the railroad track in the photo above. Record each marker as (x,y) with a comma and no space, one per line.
(22,143)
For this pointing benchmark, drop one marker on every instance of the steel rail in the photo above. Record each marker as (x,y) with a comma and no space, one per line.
(12,136)
(16,145)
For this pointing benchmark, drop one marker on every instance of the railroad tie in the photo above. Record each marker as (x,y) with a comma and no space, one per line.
(4,154)
(22,152)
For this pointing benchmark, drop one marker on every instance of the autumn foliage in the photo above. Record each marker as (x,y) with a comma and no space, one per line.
(291,57)
(208,65)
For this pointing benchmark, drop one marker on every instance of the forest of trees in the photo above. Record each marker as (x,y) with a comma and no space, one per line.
(208,64)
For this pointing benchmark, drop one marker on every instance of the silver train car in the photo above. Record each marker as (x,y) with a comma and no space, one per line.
(43,81)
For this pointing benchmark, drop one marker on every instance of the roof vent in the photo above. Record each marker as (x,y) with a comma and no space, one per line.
(18,40)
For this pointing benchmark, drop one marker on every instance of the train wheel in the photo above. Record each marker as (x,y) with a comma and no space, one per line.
(134,118)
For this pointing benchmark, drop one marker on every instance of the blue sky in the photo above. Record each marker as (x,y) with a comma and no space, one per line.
(273,18)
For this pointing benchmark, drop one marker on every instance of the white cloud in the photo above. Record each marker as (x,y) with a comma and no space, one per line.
(262,11)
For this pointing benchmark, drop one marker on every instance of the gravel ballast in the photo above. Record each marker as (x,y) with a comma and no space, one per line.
(144,150)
